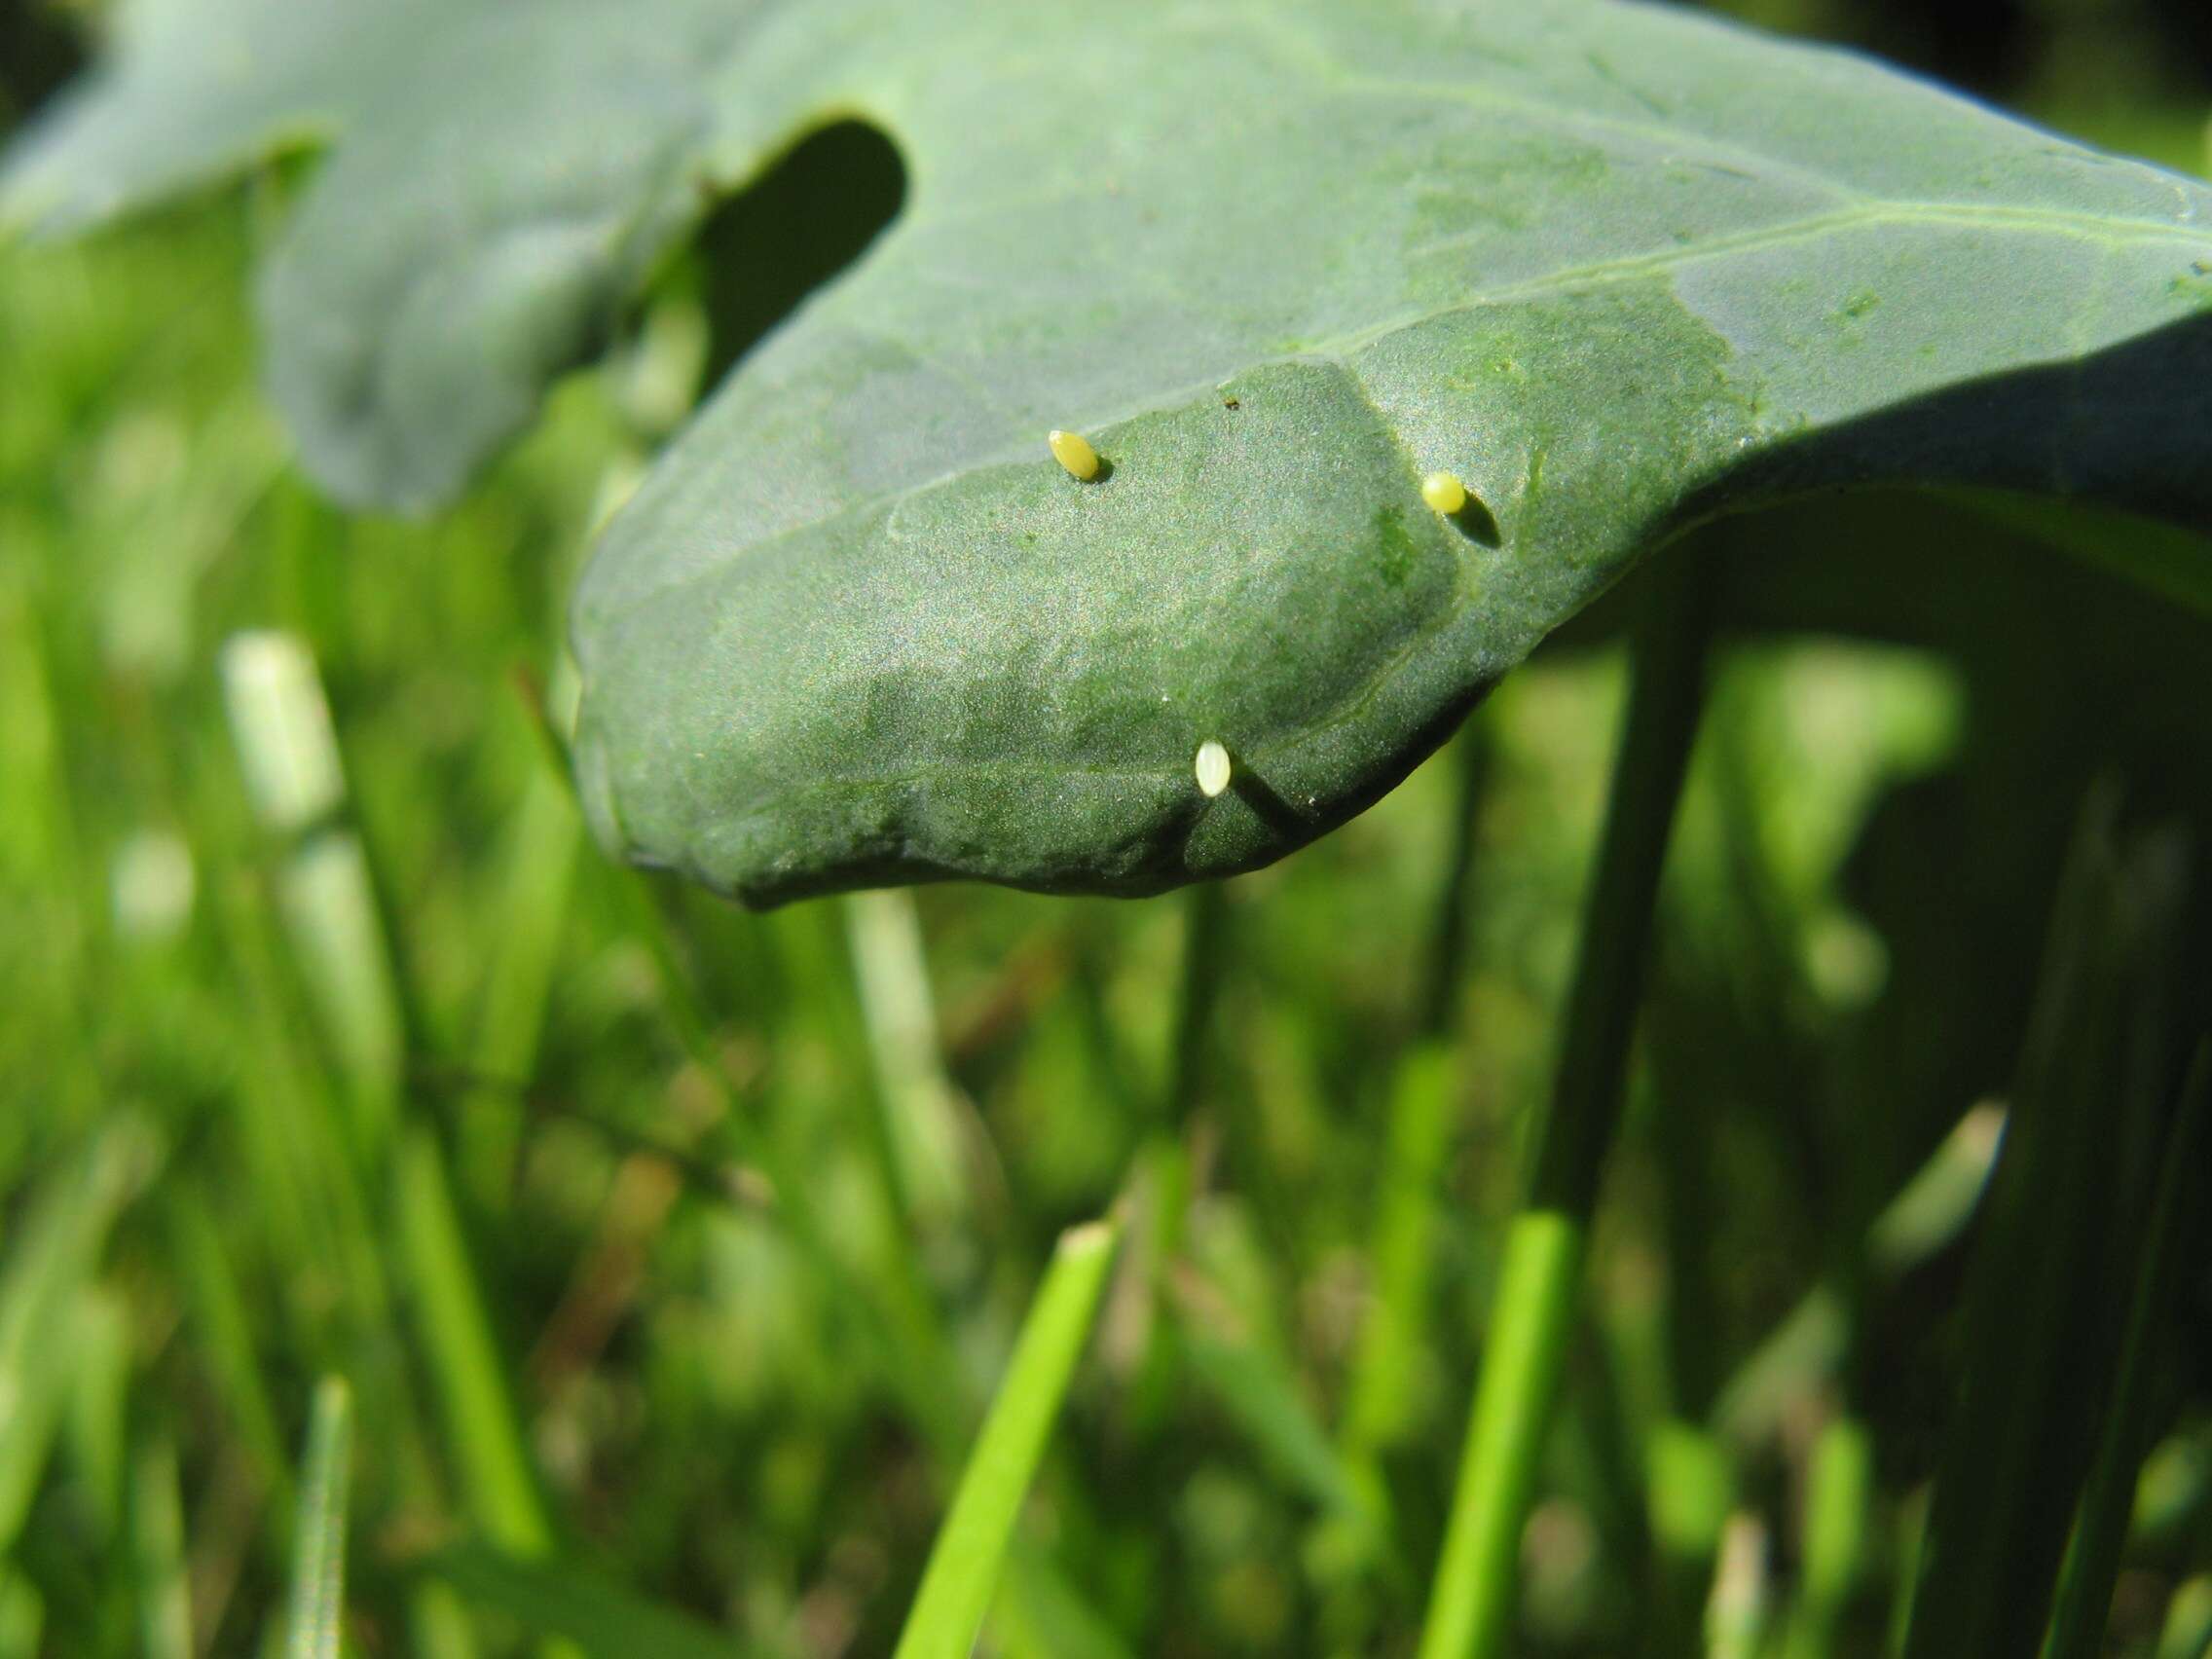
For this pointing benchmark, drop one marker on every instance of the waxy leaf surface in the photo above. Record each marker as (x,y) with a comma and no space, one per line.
(1618,269)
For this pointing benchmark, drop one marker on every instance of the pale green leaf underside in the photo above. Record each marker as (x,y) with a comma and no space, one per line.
(1620,269)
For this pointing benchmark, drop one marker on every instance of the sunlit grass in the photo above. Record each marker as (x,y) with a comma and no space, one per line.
(672,1256)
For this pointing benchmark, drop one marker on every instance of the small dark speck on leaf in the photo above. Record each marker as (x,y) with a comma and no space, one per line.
(1231,403)
(1860,304)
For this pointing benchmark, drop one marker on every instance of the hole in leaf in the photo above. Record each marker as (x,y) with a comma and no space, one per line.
(804,221)
(39,50)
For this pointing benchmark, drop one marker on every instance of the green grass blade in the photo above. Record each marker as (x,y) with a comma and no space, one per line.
(1387,1351)
(2164,558)
(23,1616)
(563,1600)
(1442,988)
(1383,1398)
(1839,1493)
(538,855)
(318,1535)
(482,1434)
(438,1622)
(217,1309)
(295,1131)
(964,1565)
(1909,1544)
(2188,1631)
(892,1309)
(1164,1162)
(1525,1350)
(1255,1387)
(1928,1213)
(288,750)
(48,1265)
(1472,1598)
(96,1430)
(157,1546)
(1934,1206)
(1206,928)
(2169,1246)
(1735,1614)
(1040,1615)
(1689,1488)
(922,1123)
(2039,1324)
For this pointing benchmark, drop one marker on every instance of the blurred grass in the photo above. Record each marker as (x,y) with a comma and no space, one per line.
(965,1563)
(317,1607)
(672,1256)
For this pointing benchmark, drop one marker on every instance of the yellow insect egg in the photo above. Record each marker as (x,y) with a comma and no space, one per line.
(1073,451)
(1444,493)
(1212,767)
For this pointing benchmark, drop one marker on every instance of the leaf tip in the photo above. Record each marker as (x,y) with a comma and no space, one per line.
(1087,1238)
